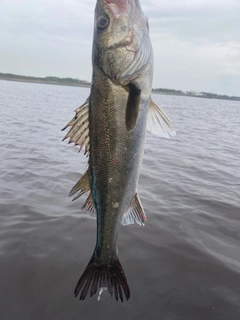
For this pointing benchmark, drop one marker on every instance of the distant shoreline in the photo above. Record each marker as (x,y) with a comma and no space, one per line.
(81,83)
(204,95)
(47,80)
(50,82)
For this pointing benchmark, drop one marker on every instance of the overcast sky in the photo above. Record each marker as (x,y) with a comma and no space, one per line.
(196,42)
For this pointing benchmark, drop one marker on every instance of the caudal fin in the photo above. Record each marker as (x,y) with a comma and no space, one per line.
(110,276)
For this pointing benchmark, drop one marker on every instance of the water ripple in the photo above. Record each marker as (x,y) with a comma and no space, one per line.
(184,262)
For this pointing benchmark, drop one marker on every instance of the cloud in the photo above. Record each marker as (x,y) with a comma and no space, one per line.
(196,20)
(196,42)
(46,37)
(46,18)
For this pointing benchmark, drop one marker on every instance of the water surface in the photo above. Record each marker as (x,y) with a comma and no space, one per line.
(183,265)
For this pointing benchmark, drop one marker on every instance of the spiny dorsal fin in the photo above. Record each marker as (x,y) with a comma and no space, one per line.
(89,205)
(132,108)
(83,186)
(158,122)
(79,132)
(135,213)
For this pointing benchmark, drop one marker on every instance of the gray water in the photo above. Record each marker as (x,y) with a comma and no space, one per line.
(183,265)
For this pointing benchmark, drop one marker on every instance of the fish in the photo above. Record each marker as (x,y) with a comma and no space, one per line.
(111,126)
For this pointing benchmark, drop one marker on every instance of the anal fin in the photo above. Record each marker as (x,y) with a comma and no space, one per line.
(135,213)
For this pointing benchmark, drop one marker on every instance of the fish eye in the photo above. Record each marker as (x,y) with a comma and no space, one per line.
(102,22)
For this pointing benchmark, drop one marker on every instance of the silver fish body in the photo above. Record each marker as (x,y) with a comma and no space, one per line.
(114,119)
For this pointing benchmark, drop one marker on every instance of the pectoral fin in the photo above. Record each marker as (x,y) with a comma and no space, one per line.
(158,122)
(135,213)
(132,108)
(79,132)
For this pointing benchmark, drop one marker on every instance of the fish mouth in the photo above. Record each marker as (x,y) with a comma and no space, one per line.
(124,60)
(117,7)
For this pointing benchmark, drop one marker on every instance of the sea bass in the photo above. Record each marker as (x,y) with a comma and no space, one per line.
(111,125)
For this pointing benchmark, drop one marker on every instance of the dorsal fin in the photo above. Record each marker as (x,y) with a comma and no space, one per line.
(132,108)
(79,132)
(89,205)
(83,186)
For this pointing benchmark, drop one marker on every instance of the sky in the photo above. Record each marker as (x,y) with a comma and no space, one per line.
(196,43)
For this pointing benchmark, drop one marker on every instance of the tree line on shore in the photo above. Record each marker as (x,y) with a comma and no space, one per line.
(80,83)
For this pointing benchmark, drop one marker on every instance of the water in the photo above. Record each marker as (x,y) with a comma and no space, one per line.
(183,265)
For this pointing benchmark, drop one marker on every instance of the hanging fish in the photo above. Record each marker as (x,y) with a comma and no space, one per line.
(111,125)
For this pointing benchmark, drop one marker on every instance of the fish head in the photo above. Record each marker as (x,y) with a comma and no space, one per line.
(121,45)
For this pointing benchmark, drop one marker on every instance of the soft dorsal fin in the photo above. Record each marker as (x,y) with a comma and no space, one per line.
(135,213)
(79,132)
(83,186)
(158,122)
(89,205)
(132,108)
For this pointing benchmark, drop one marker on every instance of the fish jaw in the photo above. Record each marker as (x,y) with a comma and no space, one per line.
(119,6)
(116,7)
(122,49)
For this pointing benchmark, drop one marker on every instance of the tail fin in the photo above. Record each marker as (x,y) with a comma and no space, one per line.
(96,277)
